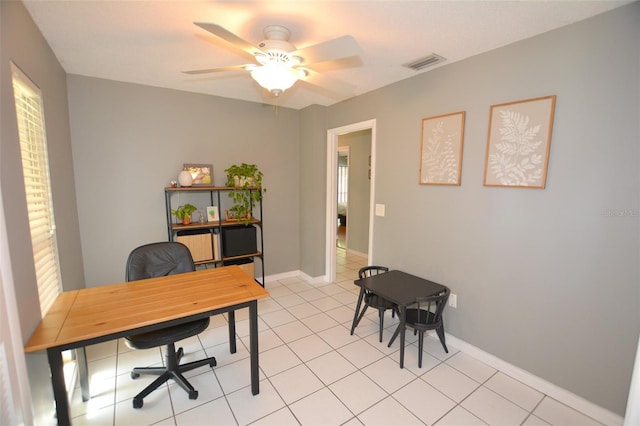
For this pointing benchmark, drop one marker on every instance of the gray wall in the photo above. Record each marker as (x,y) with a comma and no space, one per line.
(547,280)
(22,42)
(359,193)
(313,179)
(130,141)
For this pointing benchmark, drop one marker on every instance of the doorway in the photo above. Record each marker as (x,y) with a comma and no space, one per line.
(332,192)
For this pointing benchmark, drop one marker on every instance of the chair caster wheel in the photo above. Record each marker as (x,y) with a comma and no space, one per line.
(193,394)
(137,403)
(134,375)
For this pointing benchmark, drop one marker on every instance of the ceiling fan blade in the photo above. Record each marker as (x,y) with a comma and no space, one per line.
(338,48)
(229,37)
(331,84)
(220,69)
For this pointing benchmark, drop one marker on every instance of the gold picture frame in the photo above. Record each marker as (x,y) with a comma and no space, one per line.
(442,138)
(202,174)
(519,142)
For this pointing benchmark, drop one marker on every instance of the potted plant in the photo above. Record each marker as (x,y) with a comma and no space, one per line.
(247,181)
(184,213)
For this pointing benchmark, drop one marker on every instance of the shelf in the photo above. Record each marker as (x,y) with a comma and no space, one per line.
(209,225)
(207,262)
(244,256)
(206,188)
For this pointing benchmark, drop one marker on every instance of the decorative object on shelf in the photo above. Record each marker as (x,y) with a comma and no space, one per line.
(184,213)
(518,143)
(198,242)
(238,240)
(213,214)
(202,174)
(247,181)
(185,179)
(231,216)
(441,149)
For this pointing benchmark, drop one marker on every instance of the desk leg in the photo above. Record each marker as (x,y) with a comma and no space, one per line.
(253,343)
(401,327)
(355,315)
(232,332)
(59,388)
(83,373)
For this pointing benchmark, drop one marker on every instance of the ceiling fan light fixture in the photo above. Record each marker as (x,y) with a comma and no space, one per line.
(279,64)
(276,77)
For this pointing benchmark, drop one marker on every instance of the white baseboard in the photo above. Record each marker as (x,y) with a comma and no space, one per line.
(284,275)
(358,253)
(556,392)
(295,274)
(313,280)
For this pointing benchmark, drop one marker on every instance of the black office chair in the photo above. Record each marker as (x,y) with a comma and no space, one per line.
(156,260)
(373,300)
(426,315)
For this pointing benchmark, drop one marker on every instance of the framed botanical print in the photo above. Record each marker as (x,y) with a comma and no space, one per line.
(518,143)
(441,149)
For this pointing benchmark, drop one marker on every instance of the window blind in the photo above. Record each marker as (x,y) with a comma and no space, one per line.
(343,182)
(37,185)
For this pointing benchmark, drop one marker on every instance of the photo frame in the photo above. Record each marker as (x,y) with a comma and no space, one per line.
(518,143)
(202,174)
(442,138)
(213,215)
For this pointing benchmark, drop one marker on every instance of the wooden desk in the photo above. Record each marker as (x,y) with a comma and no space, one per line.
(400,288)
(84,317)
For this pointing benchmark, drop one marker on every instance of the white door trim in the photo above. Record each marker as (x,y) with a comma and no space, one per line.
(332,188)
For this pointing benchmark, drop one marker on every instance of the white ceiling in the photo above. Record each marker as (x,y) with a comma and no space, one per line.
(151,42)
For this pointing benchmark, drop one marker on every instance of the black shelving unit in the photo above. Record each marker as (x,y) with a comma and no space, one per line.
(243,245)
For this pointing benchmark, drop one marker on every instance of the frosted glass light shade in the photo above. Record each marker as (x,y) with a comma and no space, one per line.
(275,77)
(185,179)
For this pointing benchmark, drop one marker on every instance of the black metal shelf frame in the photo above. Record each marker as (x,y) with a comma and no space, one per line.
(214,198)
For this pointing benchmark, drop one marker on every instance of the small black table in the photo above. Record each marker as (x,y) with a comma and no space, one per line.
(400,288)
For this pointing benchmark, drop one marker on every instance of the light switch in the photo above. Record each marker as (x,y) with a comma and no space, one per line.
(380,210)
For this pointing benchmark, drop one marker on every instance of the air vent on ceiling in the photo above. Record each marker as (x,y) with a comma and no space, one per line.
(422,63)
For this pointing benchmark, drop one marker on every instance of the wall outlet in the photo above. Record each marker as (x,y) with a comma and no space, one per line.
(453,300)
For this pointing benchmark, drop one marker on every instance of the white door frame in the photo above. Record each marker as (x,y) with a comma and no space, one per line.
(332,192)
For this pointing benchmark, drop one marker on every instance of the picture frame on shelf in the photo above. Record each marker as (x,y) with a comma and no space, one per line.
(231,216)
(441,149)
(519,142)
(202,174)
(213,214)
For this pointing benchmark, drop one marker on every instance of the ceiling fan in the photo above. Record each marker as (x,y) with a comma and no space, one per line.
(279,64)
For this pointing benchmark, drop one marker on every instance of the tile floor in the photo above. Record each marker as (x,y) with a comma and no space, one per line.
(313,372)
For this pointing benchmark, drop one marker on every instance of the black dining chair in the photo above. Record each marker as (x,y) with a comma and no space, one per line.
(373,300)
(425,315)
(157,260)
